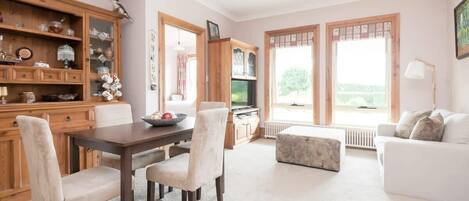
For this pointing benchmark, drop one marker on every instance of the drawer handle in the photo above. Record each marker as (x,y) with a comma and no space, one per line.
(68,118)
(15,124)
(74,77)
(50,76)
(23,75)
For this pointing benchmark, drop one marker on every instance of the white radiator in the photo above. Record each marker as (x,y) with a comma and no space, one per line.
(354,137)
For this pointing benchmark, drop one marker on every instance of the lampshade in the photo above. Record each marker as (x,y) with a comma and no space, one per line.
(3,91)
(415,70)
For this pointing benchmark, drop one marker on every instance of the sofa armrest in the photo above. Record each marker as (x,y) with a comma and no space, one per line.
(429,170)
(386,129)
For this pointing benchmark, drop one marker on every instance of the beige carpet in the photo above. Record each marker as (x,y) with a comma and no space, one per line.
(253,174)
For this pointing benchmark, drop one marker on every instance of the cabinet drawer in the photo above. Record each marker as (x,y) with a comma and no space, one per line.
(8,120)
(74,77)
(20,74)
(71,118)
(3,74)
(51,76)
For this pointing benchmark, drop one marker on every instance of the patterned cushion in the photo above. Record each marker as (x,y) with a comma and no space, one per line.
(429,128)
(408,120)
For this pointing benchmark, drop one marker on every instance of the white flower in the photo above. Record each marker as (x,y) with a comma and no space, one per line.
(119,86)
(106,78)
(106,94)
(118,94)
(109,98)
(114,87)
(106,86)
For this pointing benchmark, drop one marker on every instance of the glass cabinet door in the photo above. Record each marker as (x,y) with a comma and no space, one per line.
(102,49)
(251,67)
(238,62)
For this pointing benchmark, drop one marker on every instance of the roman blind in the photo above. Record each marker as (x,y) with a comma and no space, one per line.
(362,31)
(292,40)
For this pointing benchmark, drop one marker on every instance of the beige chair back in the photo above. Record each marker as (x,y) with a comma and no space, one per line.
(44,173)
(211,105)
(206,153)
(113,115)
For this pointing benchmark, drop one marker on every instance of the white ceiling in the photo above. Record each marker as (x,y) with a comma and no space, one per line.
(188,39)
(242,10)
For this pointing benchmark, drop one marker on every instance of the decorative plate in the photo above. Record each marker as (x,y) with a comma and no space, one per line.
(24,53)
(165,122)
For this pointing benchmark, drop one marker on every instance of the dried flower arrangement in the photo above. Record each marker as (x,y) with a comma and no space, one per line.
(111,86)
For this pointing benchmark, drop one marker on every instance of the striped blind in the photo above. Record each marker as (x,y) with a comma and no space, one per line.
(292,40)
(364,31)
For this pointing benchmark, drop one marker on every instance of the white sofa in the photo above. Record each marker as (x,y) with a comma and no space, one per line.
(437,171)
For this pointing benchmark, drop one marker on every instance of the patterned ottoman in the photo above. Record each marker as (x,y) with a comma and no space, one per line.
(314,147)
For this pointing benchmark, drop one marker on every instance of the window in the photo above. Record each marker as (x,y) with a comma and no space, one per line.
(292,84)
(291,75)
(362,80)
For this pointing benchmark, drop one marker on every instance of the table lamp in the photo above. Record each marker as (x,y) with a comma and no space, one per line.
(416,70)
(3,95)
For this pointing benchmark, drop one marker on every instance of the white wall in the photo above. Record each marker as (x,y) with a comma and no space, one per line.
(423,34)
(170,72)
(106,4)
(460,68)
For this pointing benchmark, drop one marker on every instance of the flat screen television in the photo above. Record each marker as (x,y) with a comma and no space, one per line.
(243,94)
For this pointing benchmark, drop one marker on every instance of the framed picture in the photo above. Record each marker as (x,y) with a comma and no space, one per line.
(213,30)
(461,22)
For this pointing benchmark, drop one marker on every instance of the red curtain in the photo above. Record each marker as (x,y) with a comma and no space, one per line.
(182,75)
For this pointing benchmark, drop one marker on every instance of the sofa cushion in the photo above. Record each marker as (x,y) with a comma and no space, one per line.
(429,128)
(457,129)
(407,122)
(443,112)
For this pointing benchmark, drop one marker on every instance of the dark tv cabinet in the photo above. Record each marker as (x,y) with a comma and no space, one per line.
(231,59)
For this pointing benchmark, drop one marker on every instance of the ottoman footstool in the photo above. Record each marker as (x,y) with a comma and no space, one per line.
(314,147)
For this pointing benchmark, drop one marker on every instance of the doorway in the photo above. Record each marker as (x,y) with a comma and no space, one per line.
(181,65)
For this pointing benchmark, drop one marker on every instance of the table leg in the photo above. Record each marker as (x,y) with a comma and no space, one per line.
(126,175)
(74,156)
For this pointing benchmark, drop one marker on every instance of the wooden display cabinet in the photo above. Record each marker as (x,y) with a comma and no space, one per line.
(233,60)
(20,28)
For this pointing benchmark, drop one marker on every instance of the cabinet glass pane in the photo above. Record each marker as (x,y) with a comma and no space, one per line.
(238,62)
(102,49)
(251,70)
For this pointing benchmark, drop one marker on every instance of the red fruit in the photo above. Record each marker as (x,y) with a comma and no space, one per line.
(167,115)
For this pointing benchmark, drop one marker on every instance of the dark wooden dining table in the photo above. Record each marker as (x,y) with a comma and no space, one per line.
(125,140)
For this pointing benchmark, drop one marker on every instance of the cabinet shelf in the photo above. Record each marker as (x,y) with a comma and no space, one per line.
(34,32)
(96,38)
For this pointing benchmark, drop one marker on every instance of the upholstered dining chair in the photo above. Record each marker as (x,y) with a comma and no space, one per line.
(185,147)
(95,184)
(204,163)
(117,114)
